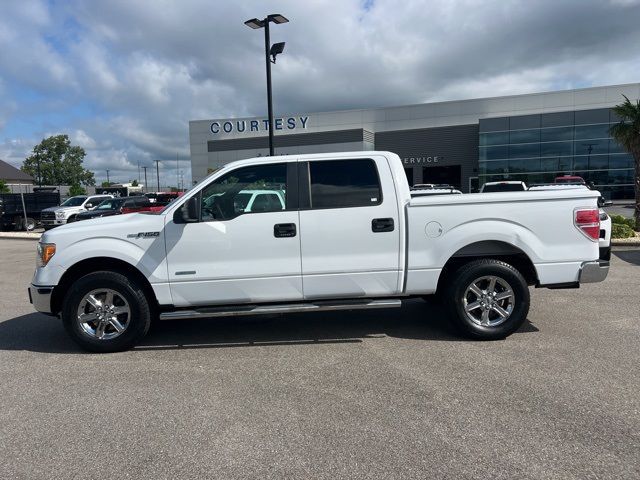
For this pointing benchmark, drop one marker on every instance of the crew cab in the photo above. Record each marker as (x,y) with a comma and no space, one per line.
(349,236)
(56,216)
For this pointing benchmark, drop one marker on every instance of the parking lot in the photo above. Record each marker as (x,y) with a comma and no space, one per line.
(370,394)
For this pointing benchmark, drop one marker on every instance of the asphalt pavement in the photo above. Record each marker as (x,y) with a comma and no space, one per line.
(383,394)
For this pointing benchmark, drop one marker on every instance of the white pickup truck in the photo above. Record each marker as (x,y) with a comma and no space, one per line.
(350,236)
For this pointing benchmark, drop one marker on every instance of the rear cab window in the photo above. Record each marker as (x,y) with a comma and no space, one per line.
(344,183)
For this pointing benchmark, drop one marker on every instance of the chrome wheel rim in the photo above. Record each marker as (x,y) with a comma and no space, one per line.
(488,301)
(104,314)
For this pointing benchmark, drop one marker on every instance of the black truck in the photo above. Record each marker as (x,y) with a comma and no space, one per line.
(12,213)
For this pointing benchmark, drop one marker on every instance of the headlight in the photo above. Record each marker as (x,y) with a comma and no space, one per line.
(45,252)
(60,214)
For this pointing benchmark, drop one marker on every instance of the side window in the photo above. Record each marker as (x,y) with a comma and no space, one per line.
(344,183)
(229,196)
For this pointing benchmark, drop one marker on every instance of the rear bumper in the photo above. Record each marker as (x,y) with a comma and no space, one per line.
(40,297)
(595,271)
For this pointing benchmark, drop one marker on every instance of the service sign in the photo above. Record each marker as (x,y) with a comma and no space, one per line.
(423,160)
(242,126)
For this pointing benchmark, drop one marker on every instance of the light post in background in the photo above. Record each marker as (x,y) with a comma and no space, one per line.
(158,172)
(146,187)
(272,51)
(108,182)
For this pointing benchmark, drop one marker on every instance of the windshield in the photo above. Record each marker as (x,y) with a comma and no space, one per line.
(73,202)
(504,187)
(111,204)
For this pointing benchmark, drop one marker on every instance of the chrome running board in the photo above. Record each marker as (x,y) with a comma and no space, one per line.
(318,306)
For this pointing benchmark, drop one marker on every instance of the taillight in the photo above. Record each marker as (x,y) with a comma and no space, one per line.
(588,222)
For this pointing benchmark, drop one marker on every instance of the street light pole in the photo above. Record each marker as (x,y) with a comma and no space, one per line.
(146,188)
(267,45)
(273,51)
(158,172)
(108,182)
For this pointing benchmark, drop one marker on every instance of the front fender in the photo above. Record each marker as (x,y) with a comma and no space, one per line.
(147,255)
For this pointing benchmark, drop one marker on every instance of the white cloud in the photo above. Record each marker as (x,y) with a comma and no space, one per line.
(146,68)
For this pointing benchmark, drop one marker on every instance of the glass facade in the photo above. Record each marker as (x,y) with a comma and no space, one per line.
(538,148)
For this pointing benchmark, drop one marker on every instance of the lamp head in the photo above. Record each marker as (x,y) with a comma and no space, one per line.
(276,49)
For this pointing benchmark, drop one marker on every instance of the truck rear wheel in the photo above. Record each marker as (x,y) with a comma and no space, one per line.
(106,312)
(488,299)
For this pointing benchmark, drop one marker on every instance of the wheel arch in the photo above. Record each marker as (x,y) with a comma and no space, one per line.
(96,264)
(494,249)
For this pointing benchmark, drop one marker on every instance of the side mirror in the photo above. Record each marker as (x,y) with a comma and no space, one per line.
(189,212)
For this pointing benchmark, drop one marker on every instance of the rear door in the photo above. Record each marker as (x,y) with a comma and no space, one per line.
(350,237)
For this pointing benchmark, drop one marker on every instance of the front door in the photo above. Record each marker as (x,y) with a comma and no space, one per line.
(349,226)
(246,246)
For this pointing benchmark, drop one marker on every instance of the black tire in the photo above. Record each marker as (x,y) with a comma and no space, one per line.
(31,224)
(140,315)
(455,299)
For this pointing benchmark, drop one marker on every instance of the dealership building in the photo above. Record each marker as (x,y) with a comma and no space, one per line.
(465,143)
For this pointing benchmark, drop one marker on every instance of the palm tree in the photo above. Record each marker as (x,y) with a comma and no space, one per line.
(627,133)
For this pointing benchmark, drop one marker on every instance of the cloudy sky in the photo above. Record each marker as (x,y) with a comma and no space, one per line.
(124,77)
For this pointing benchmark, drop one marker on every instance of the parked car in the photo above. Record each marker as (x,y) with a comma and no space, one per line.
(570,180)
(162,198)
(350,236)
(503,186)
(112,206)
(56,216)
(424,189)
(12,211)
(247,201)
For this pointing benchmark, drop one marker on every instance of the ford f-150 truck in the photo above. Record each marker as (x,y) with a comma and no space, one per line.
(348,236)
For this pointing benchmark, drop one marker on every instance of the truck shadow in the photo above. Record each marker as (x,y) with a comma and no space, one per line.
(415,320)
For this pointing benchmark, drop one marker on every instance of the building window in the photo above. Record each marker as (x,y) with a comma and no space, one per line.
(566,143)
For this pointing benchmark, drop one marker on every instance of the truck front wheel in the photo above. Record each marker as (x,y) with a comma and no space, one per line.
(488,299)
(106,312)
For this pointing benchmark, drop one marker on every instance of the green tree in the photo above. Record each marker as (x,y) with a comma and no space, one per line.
(60,162)
(76,189)
(3,187)
(627,133)
(106,184)
(134,183)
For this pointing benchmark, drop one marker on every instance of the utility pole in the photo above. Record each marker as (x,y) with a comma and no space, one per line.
(158,172)
(138,170)
(145,189)
(109,183)
(177,173)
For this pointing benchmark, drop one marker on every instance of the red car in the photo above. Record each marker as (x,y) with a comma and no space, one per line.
(570,180)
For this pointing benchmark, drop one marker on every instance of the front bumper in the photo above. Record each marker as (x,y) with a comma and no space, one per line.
(595,271)
(40,297)
(53,222)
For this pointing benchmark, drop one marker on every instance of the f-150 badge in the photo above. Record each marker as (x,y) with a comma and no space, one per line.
(144,235)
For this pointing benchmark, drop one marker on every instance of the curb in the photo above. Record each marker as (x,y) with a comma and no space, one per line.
(633,243)
(24,236)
